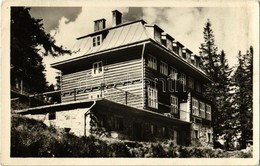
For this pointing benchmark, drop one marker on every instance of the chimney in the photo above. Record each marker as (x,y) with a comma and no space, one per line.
(99,24)
(116,18)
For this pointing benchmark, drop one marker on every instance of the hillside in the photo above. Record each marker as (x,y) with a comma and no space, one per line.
(31,138)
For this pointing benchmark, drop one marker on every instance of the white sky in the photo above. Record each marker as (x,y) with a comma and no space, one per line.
(234,27)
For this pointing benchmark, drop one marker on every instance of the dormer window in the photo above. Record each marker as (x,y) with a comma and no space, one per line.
(157,36)
(188,57)
(97,69)
(180,51)
(169,43)
(192,58)
(184,54)
(155,32)
(97,40)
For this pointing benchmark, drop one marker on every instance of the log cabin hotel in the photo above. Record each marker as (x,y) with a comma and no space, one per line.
(132,81)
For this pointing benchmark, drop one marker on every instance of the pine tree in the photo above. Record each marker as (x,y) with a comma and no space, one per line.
(224,120)
(243,81)
(216,66)
(208,52)
(27,37)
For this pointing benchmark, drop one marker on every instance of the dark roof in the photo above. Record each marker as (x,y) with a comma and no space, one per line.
(117,36)
(110,28)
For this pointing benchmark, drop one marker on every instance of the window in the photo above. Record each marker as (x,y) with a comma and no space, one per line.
(165,131)
(209,137)
(175,135)
(202,109)
(173,73)
(188,56)
(184,55)
(97,40)
(152,62)
(208,112)
(198,61)
(195,107)
(164,68)
(191,83)
(152,97)
(157,36)
(153,129)
(97,69)
(169,43)
(198,86)
(103,121)
(52,116)
(180,51)
(192,58)
(174,104)
(183,81)
(119,124)
(196,134)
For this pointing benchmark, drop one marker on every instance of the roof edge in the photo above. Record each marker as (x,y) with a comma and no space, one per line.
(54,65)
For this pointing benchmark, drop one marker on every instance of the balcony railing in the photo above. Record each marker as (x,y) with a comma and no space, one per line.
(54,97)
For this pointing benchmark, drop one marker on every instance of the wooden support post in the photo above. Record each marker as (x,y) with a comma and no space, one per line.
(101,90)
(30,101)
(126,93)
(75,94)
(18,103)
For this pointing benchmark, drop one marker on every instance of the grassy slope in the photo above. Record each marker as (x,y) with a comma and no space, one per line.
(31,138)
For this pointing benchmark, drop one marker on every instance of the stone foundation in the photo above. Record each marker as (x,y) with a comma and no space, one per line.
(201,135)
(71,120)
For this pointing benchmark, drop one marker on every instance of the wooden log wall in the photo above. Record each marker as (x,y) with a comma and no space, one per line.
(118,78)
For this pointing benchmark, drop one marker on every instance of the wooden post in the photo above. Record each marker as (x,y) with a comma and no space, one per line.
(21,87)
(75,93)
(126,97)
(101,89)
(29,101)
(18,103)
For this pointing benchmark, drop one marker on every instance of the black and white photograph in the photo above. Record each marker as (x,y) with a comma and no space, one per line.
(165,83)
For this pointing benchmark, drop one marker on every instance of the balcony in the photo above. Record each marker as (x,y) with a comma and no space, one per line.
(54,98)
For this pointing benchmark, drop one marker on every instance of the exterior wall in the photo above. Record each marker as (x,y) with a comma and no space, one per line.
(121,73)
(164,85)
(137,127)
(102,122)
(72,120)
(203,138)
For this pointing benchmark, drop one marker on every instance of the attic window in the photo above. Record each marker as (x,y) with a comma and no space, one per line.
(180,51)
(97,40)
(157,36)
(169,43)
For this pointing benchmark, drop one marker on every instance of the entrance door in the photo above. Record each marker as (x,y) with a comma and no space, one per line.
(137,131)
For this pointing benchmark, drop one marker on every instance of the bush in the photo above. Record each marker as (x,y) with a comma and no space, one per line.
(31,138)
